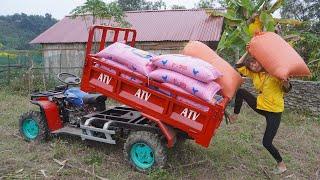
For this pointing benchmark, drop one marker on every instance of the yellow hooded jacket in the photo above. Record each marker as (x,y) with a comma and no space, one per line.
(270,90)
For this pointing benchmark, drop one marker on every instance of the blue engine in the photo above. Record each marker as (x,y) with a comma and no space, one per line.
(75,96)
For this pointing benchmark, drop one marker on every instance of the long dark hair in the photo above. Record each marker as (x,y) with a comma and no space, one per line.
(247,61)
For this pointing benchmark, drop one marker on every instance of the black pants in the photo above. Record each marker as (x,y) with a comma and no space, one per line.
(273,120)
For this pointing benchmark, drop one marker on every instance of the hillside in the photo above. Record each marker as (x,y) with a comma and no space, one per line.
(16,31)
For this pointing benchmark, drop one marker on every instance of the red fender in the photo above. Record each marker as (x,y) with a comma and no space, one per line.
(168,131)
(51,113)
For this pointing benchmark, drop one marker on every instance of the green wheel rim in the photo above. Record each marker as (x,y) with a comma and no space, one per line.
(30,128)
(142,155)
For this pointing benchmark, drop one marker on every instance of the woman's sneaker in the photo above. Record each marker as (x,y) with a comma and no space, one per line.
(233,118)
(279,170)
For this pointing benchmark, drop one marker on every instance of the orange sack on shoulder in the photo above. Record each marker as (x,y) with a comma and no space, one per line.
(231,79)
(276,56)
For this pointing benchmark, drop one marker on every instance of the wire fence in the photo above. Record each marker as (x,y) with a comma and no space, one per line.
(25,71)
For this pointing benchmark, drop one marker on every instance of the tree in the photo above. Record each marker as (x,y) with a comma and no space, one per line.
(303,10)
(16,31)
(159,5)
(130,5)
(100,10)
(178,7)
(308,42)
(135,5)
(204,4)
(244,18)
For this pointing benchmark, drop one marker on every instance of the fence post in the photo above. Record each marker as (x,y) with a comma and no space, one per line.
(49,69)
(8,74)
(60,65)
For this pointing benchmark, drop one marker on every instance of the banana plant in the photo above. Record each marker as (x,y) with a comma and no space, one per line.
(244,18)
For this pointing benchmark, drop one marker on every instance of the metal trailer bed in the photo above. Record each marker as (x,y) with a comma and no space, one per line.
(167,112)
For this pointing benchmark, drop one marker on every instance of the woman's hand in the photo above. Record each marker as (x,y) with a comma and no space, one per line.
(286,85)
(242,58)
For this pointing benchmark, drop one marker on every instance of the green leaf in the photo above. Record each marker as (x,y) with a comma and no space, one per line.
(247,4)
(222,41)
(267,21)
(234,2)
(259,5)
(314,61)
(245,35)
(227,15)
(293,22)
(246,8)
(275,6)
(233,38)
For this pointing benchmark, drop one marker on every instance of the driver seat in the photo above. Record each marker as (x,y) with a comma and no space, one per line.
(79,98)
(93,98)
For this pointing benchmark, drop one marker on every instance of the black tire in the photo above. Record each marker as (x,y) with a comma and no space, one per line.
(180,142)
(43,132)
(181,139)
(154,142)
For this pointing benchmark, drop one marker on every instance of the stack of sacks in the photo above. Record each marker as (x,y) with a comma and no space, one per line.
(123,55)
(231,79)
(122,67)
(192,75)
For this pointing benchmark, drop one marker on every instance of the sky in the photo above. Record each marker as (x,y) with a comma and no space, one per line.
(60,8)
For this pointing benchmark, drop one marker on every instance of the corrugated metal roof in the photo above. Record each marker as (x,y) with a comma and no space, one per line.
(161,25)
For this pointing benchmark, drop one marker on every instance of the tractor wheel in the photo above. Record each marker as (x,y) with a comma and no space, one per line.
(145,151)
(181,141)
(33,127)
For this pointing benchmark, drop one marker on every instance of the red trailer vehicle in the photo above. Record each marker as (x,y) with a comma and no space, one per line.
(150,120)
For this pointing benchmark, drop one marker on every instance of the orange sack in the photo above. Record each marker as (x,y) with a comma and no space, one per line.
(231,79)
(276,56)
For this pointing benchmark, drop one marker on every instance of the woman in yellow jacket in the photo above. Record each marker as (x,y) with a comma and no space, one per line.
(269,103)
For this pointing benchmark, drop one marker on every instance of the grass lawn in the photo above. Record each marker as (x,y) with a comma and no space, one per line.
(236,151)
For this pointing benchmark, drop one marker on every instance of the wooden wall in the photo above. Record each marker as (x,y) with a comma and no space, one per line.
(163,47)
(64,57)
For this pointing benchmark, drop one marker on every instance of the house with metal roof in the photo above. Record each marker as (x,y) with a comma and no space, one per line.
(158,31)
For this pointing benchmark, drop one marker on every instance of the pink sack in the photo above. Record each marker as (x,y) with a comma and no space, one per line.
(205,91)
(190,66)
(182,99)
(231,79)
(135,59)
(120,66)
(215,100)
